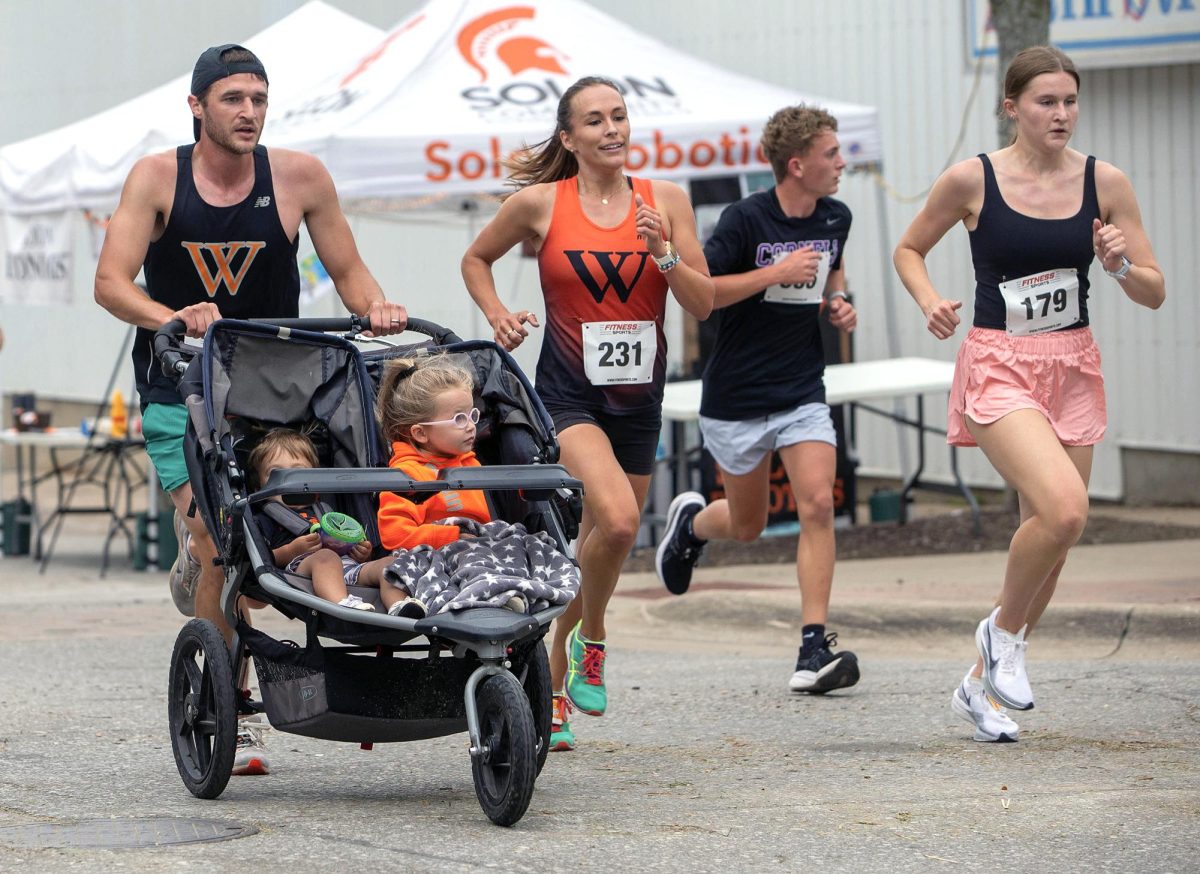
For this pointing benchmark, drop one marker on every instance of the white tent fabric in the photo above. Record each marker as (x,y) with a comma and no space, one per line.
(460,84)
(84,165)
(430,109)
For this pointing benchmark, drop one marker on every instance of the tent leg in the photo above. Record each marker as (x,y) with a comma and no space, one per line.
(890,314)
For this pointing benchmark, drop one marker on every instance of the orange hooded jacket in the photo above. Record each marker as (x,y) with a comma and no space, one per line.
(403,524)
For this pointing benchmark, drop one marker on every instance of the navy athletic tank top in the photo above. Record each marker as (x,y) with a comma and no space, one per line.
(238,257)
(1008,245)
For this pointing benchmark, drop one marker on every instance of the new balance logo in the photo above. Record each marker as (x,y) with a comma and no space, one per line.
(612,272)
(219,267)
(262,201)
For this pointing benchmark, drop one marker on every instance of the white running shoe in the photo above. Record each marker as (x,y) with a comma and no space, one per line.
(356,603)
(185,572)
(1003,655)
(250,760)
(992,724)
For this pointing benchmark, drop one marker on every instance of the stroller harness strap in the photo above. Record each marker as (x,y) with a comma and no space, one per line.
(294,521)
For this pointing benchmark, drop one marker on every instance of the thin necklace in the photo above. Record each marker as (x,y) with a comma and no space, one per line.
(603,197)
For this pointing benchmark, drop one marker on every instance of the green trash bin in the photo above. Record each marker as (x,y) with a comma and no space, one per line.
(163,536)
(17,518)
(885,505)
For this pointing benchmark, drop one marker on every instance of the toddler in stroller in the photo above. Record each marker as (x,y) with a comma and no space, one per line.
(360,676)
(298,543)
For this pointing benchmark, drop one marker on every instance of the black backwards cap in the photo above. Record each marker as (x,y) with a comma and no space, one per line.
(210,68)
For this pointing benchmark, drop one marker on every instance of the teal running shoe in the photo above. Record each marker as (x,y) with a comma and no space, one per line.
(585,673)
(562,738)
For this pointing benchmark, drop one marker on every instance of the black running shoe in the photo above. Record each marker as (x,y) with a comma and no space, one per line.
(679,550)
(823,670)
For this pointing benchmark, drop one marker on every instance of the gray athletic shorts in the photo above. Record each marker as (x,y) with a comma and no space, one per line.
(739,447)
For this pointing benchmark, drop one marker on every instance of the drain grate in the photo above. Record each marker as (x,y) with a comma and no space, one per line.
(153,831)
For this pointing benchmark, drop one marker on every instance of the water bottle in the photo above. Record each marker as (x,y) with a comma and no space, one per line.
(119,415)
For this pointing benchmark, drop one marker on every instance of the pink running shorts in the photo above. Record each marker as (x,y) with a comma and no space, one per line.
(1057,374)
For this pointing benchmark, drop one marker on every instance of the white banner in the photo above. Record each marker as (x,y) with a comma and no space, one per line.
(37,252)
(1106,33)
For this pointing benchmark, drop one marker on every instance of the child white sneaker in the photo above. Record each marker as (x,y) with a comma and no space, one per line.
(409,608)
(516,604)
(356,603)
(1003,655)
(972,703)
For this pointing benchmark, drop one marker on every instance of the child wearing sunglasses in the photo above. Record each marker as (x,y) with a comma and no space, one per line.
(427,414)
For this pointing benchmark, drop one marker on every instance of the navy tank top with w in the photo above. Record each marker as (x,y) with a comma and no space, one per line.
(1008,245)
(238,257)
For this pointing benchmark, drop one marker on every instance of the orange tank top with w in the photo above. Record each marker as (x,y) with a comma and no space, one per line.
(602,282)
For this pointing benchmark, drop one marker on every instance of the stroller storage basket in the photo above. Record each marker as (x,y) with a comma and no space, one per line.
(346,695)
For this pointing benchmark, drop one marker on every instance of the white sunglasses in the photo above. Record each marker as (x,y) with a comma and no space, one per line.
(460,420)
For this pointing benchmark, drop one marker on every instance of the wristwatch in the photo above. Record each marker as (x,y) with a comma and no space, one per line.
(1122,271)
(669,260)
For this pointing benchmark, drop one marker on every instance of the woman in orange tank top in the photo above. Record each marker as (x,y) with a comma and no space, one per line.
(609,248)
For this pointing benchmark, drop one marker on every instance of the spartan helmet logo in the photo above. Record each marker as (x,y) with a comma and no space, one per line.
(481,38)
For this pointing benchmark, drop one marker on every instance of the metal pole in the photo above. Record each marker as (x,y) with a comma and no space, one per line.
(890,314)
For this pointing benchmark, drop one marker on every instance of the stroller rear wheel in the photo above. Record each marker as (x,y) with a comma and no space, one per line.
(540,693)
(202,708)
(505,767)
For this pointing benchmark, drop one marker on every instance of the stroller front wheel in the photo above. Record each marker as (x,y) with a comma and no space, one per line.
(539,690)
(202,709)
(505,766)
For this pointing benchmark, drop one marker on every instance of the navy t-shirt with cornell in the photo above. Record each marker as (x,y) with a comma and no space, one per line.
(768,355)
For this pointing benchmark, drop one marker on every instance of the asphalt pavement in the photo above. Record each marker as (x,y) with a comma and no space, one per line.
(705,762)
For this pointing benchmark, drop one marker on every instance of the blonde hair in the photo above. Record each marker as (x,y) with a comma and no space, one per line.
(549,160)
(409,389)
(790,132)
(276,442)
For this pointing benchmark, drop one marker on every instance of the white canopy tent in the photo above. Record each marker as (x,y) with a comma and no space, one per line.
(83,165)
(49,183)
(424,114)
(460,84)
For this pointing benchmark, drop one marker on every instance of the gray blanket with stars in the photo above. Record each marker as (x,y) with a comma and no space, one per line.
(486,569)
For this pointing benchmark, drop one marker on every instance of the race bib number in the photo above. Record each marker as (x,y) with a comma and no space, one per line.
(1041,302)
(801,293)
(619,353)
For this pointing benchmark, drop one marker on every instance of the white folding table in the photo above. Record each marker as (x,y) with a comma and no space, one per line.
(852,384)
(104,462)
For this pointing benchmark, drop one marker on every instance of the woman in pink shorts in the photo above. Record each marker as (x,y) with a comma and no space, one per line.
(1027,386)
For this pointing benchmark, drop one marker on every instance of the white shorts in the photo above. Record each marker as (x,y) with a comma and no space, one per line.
(739,447)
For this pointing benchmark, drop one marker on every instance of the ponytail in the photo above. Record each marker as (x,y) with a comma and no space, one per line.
(409,388)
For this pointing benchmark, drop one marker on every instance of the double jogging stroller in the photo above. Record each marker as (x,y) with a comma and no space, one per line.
(360,677)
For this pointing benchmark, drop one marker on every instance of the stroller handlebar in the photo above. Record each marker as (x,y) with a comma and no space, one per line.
(168,343)
(169,350)
(356,325)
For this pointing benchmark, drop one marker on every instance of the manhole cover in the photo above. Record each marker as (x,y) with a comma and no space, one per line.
(153,831)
